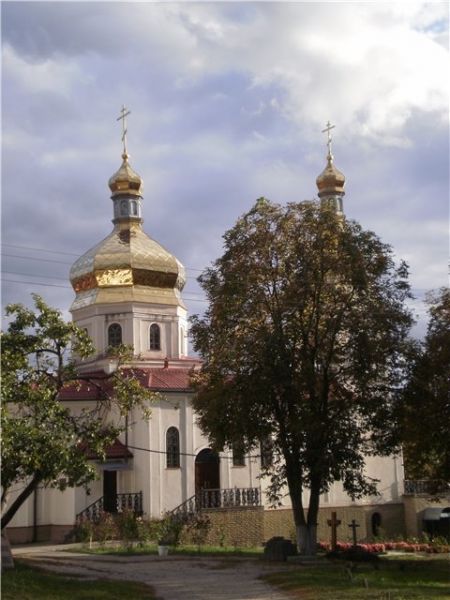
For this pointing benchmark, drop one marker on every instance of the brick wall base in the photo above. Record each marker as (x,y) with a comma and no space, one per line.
(281,522)
(44,533)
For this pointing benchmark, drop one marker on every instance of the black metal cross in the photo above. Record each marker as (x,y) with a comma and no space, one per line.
(124,114)
(353,525)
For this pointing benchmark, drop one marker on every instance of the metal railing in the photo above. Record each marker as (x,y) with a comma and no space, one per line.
(128,501)
(417,487)
(229,498)
(217,498)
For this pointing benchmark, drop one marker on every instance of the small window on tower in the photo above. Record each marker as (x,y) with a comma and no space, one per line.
(123,208)
(134,207)
(114,335)
(155,337)
(173,448)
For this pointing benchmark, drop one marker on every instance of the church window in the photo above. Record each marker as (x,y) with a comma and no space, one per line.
(133,207)
(266,453)
(238,456)
(114,335)
(376,524)
(173,448)
(123,208)
(155,337)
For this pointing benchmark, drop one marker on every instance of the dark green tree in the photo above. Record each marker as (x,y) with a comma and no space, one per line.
(304,345)
(425,410)
(43,442)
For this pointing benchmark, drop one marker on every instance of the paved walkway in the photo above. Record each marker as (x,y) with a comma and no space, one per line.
(172,578)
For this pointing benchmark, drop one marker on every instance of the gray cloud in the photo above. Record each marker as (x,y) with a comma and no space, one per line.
(227,104)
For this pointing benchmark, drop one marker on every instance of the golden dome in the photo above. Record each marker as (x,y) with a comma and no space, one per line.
(127,259)
(331,180)
(125,180)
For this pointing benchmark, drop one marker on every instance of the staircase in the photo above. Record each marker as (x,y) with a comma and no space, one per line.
(130,501)
(214,499)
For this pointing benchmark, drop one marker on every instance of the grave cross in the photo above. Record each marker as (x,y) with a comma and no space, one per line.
(334,523)
(353,525)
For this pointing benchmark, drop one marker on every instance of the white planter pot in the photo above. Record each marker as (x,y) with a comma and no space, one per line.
(163,550)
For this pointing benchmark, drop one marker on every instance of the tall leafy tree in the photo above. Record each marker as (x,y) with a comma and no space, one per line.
(43,442)
(304,345)
(425,411)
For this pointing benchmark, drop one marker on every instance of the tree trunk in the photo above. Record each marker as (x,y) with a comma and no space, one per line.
(306,539)
(29,488)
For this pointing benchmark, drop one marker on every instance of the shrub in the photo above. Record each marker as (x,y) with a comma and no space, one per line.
(435,547)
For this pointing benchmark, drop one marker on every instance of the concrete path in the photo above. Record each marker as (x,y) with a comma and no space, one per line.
(172,578)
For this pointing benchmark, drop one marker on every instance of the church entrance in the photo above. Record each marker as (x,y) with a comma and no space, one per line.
(207,470)
(110,491)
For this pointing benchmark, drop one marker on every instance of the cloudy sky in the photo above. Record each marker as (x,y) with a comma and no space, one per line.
(227,103)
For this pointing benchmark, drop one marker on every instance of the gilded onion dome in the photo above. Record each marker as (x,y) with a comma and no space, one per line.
(125,180)
(127,265)
(331,180)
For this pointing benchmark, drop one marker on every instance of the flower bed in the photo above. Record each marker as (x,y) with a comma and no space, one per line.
(377,548)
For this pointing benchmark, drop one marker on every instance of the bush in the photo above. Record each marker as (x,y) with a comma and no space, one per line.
(436,547)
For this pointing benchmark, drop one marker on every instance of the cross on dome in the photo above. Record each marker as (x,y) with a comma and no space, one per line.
(123,116)
(327,130)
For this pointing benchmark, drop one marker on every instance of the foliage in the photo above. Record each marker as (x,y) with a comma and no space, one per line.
(304,343)
(393,579)
(44,443)
(197,529)
(170,530)
(28,583)
(426,403)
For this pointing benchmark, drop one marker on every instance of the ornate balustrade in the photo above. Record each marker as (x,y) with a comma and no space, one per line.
(229,498)
(217,498)
(129,501)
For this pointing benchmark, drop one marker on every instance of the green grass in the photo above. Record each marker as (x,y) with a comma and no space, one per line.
(395,579)
(183,550)
(28,583)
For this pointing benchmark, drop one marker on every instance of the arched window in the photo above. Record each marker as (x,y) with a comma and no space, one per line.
(376,524)
(123,208)
(155,337)
(133,207)
(266,453)
(114,335)
(238,455)
(173,448)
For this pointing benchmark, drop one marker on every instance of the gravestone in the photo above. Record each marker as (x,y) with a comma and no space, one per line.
(334,523)
(278,549)
(353,525)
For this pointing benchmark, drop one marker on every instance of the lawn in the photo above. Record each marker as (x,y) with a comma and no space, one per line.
(185,549)
(395,578)
(28,583)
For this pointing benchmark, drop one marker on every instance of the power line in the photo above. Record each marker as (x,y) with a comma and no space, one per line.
(221,456)
(67,287)
(61,278)
(58,253)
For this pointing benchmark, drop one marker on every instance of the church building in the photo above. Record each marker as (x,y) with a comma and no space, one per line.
(128,289)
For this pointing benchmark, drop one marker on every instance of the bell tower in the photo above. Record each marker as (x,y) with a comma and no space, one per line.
(128,287)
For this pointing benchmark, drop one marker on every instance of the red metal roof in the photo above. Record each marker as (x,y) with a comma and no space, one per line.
(114,451)
(155,378)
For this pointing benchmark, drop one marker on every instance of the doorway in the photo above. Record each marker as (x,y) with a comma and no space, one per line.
(110,491)
(207,470)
